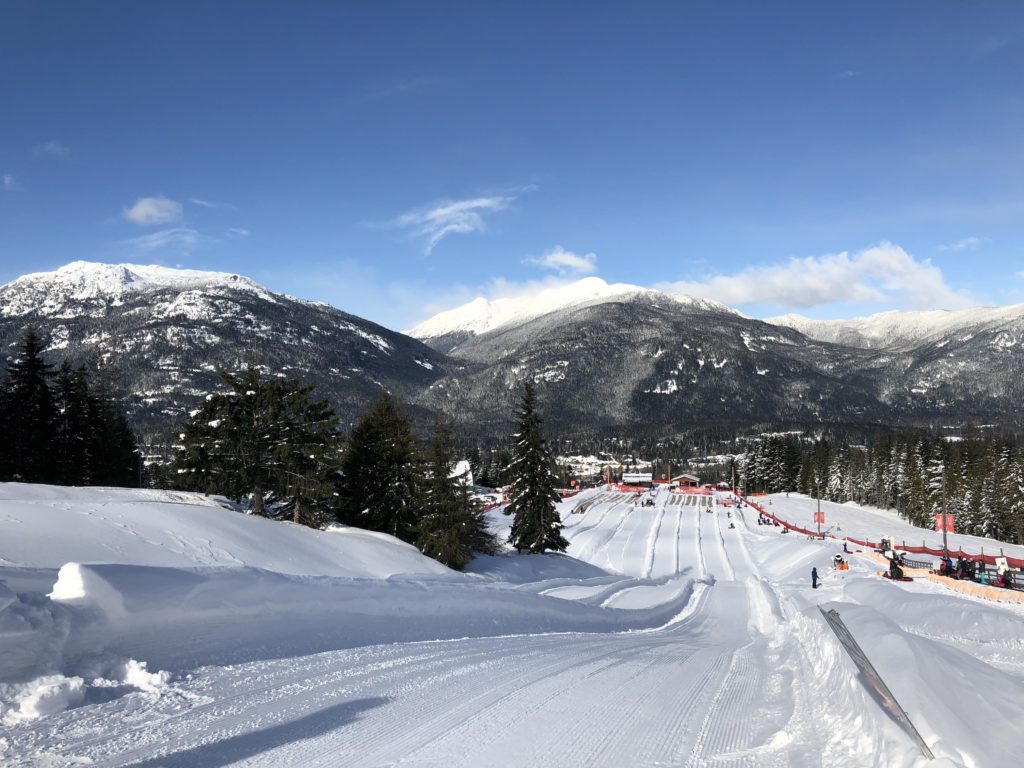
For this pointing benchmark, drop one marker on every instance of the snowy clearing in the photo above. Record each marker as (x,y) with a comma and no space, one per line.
(147,628)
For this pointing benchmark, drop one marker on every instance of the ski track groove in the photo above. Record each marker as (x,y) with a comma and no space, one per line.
(287,685)
(652,542)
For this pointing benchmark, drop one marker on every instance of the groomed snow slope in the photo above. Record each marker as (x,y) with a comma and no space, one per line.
(667,637)
(871,524)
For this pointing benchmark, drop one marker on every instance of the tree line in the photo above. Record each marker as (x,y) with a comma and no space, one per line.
(267,441)
(978,477)
(65,426)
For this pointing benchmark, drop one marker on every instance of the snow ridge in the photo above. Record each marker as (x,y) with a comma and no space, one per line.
(90,281)
(482,315)
(895,327)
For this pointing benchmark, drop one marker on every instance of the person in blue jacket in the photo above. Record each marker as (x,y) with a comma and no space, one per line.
(814,578)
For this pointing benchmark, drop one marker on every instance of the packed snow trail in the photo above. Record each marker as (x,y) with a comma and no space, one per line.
(745,675)
(634,699)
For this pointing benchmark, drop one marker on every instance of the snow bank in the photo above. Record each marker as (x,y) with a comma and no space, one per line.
(176,618)
(44,527)
(931,681)
(40,697)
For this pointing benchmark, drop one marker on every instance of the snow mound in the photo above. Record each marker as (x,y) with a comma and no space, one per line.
(40,697)
(46,527)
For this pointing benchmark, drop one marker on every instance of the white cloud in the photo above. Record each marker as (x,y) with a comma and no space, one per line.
(8,181)
(53,148)
(566,262)
(238,232)
(212,204)
(884,274)
(965,244)
(182,238)
(153,210)
(450,217)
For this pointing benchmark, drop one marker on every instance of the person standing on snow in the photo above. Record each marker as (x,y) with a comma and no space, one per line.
(814,578)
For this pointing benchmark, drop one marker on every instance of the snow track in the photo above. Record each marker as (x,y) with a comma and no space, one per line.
(726,683)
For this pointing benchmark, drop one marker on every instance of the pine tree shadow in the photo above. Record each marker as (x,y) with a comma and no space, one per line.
(242,746)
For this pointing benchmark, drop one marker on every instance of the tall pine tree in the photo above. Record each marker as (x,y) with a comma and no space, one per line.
(380,473)
(30,414)
(265,439)
(536,525)
(452,526)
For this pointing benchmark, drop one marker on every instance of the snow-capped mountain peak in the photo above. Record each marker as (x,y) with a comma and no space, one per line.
(886,329)
(85,281)
(482,315)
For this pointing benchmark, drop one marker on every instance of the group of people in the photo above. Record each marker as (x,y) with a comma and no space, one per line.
(968,569)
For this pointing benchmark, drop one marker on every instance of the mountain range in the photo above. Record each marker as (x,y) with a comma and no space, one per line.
(607,359)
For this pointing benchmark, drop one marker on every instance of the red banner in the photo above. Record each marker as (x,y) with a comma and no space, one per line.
(944,523)
(819,517)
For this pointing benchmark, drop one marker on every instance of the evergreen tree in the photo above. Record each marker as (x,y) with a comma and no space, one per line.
(380,473)
(536,525)
(30,414)
(114,458)
(451,527)
(265,439)
(72,459)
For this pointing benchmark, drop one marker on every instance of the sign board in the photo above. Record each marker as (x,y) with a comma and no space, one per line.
(819,517)
(636,478)
(944,523)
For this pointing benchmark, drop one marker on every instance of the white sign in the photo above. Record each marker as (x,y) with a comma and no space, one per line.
(635,478)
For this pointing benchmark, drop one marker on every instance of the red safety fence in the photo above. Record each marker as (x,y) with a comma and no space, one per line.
(988,559)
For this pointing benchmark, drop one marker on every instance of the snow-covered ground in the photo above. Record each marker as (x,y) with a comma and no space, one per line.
(179,633)
(871,524)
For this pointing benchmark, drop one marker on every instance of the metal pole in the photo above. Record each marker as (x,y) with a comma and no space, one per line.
(945,548)
(817,491)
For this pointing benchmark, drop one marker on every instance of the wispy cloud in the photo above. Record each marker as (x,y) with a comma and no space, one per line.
(884,274)
(399,87)
(847,74)
(566,262)
(179,238)
(965,244)
(153,210)
(52,148)
(450,217)
(238,232)
(9,182)
(212,204)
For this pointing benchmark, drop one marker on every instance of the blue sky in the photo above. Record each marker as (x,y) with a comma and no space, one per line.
(395,159)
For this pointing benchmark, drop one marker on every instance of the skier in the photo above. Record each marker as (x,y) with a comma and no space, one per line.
(814,578)
(845,549)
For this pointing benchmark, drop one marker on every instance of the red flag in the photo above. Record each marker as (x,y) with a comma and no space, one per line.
(944,523)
